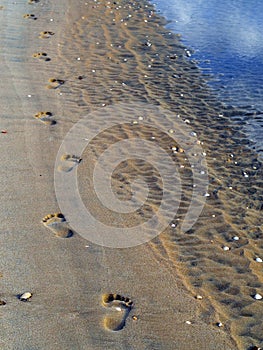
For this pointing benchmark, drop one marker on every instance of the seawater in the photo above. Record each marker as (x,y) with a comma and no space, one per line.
(226,39)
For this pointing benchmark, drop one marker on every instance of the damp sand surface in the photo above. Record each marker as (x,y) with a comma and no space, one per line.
(61,63)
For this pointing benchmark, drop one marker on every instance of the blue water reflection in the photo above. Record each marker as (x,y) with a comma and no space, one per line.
(227,39)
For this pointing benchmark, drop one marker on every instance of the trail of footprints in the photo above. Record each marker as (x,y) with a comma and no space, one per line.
(118,307)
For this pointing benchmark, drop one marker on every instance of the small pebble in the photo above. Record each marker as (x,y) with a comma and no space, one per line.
(219,324)
(259,260)
(2,302)
(188,322)
(135,318)
(257,296)
(226,248)
(25,296)
(236,238)
(199,297)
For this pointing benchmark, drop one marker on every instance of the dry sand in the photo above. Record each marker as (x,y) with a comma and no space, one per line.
(99,55)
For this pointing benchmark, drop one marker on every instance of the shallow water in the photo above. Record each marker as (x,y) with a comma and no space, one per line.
(226,38)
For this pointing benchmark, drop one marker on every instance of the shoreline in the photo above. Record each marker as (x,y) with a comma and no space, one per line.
(103,64)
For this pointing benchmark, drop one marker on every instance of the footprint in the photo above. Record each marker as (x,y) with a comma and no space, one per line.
(55,83)
(42,56)
(57,224)
(30,16)
(119,309)
(45,117)
(46,34)
(69,162)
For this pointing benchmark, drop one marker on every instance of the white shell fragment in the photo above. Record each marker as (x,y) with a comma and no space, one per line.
(226,248)
(25,296)
(199,297)
(259,260)
(258,296)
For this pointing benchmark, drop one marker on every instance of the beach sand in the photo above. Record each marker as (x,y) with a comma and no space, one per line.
(65,63)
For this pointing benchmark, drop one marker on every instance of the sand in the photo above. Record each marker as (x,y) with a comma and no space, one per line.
(67,62)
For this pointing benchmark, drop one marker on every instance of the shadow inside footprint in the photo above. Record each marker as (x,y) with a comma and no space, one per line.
(55,83)
(45,117)
(119,309)
(57,224)
(42,56)
(30,16)
(69,162)
(46,34)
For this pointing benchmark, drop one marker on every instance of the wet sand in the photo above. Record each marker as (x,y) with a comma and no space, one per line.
(59,66)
